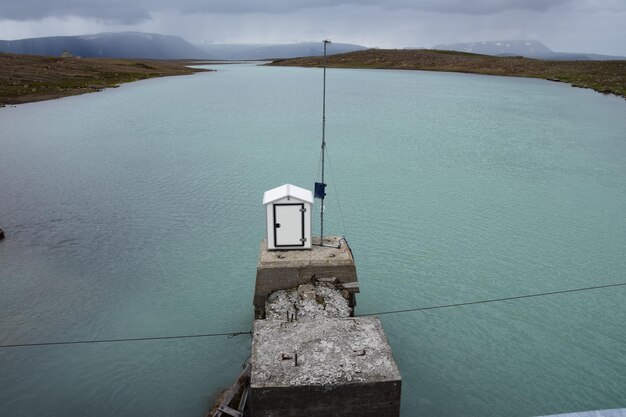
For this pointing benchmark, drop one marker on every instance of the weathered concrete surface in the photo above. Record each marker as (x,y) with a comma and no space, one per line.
(344,368)
(330,351)
(281,270)
(307,302)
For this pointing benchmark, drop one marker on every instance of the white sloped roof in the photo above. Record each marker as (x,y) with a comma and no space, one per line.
(287,190)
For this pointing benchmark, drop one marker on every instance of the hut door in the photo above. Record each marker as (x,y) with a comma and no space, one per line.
(288,225)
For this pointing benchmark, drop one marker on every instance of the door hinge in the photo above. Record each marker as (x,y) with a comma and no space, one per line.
(303,210)
(303,240)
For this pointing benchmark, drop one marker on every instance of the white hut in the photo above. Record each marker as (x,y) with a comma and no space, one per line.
(288,210)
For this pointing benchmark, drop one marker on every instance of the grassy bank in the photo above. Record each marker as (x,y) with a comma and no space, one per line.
(607,77)
(27,78)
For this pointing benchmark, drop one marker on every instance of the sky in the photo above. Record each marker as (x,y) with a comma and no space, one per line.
(594,26)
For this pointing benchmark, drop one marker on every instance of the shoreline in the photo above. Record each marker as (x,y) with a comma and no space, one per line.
(606,77)
(30,78)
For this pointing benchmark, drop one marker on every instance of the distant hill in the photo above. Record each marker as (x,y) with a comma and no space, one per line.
(108,45)
(528,49)
(274,51)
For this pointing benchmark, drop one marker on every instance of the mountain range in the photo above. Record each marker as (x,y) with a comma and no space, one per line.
(155,46)
(107,45)
(528,49)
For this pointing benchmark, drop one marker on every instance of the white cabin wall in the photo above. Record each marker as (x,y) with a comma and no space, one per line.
(269,221)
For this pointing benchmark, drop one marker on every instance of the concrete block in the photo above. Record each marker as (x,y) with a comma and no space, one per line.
(327,367)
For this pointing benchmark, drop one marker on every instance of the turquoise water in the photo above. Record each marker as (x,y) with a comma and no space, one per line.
(136,212)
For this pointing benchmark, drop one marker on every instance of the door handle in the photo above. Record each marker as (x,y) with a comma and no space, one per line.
(277,225)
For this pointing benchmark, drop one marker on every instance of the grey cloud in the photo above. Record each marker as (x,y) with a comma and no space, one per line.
(116,11)
(445,6)
(131,12)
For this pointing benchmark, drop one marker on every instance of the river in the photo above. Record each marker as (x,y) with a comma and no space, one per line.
(136,212)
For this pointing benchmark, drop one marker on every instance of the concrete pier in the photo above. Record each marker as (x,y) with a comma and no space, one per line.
(281,270)
(310,357)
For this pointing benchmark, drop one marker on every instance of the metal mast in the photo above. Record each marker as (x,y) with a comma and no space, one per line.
(325,42)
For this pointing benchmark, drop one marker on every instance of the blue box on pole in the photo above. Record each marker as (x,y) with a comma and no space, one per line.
(320,190)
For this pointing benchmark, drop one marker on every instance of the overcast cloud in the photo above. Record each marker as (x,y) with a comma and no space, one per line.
(138,10)
(564,25)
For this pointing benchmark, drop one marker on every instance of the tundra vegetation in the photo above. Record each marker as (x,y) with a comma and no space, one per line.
(27,78)
(608,77)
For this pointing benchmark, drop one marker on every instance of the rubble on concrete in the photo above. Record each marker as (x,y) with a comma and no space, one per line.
(308,302)
(280,270)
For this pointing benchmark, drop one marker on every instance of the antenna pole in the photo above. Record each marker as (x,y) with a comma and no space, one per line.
(325,42)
